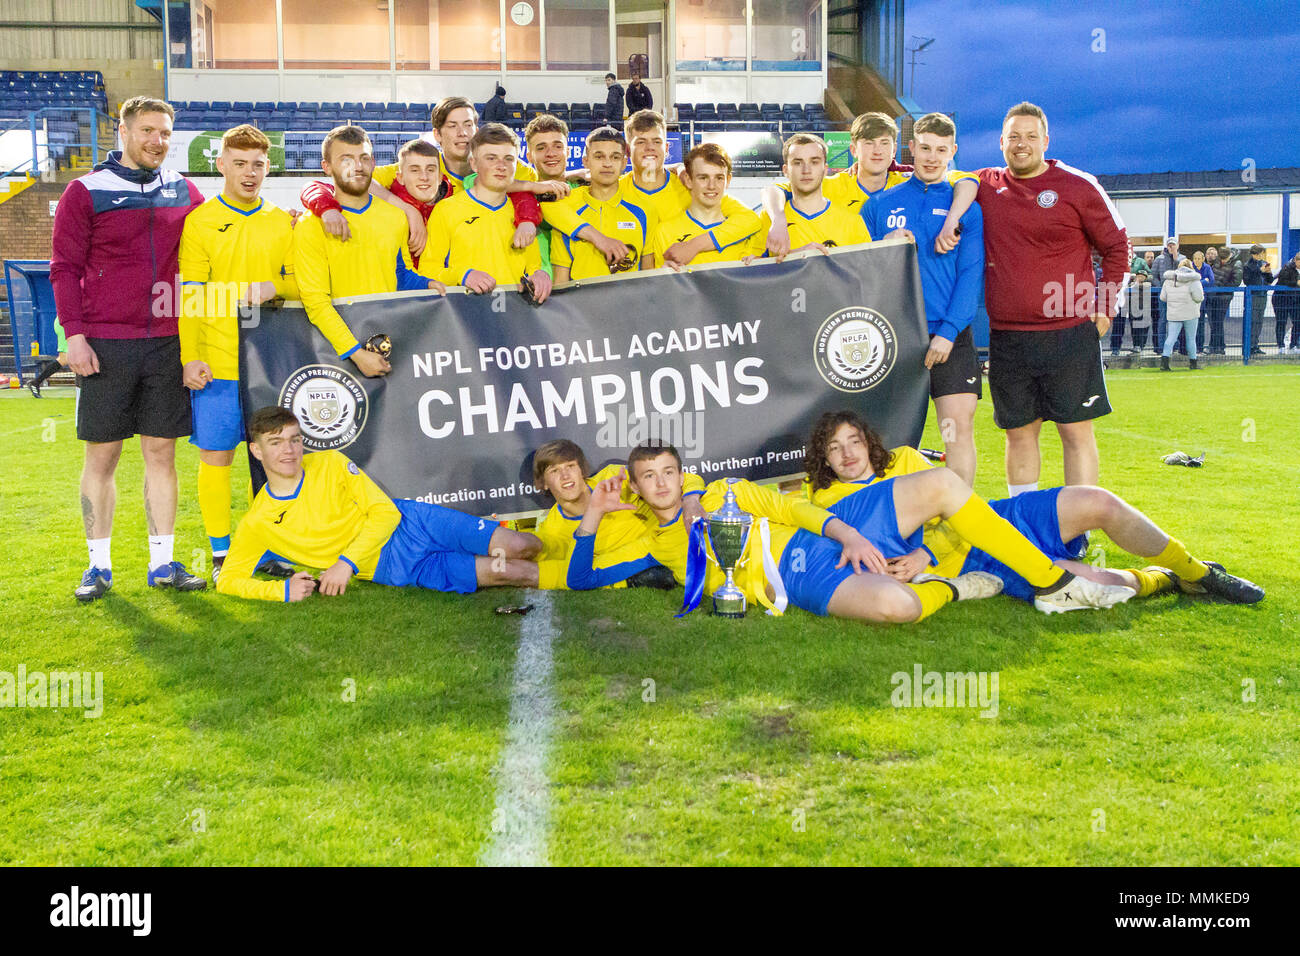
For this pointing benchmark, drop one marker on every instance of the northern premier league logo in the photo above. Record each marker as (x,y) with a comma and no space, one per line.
(330,405)
(855,349)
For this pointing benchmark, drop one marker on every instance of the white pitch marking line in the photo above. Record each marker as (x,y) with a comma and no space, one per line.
(521,819)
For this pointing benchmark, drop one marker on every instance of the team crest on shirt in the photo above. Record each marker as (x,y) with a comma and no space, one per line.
(855,349)
(330,404)
(1047,198)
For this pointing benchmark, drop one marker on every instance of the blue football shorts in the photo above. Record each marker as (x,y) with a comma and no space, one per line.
(434,547)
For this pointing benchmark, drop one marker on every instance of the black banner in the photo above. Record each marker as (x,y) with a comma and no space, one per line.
(730,363)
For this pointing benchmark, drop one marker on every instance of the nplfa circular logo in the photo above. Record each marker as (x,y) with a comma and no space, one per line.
(1047,198)
(855,349)
(330,405)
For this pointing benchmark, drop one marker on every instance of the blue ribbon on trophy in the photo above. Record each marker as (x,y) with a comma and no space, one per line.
(697,566)
(726,535)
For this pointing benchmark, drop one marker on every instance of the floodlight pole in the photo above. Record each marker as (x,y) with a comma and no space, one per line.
(925,42)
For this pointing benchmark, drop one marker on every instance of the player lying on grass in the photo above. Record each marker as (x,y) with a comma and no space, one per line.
(234,253)
(322,511)
(707,175)
(846,459)
(471,234)
(560,468)
(815,559)
(606,206)
(815,221)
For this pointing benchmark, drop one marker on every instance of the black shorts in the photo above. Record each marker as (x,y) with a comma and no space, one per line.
(1054,375)
(961,373)
(137,391)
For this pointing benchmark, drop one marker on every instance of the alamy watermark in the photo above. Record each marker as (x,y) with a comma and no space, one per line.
(626,429)
(192,299)
(922,688)
(76,690)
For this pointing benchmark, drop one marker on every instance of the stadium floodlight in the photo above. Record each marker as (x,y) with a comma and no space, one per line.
(921,44)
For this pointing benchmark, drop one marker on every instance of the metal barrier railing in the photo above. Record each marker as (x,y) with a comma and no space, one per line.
(53,122)
(1234,321)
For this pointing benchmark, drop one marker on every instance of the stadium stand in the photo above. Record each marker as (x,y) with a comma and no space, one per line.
(306,123)
(63,102)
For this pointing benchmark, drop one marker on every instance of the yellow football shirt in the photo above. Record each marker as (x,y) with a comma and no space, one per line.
(466,234)
(386,174)
(948,548)
(673,198)
(684,226)
(617,218)
(845,189)
(618,529)
(669,542)
(328,268)
(833,226)
(227,245)
(337,512)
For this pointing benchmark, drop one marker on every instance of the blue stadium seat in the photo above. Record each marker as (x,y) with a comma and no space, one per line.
(352,107)
(372,107)
(242,106)
(331,107)
(267,106)
(222,105)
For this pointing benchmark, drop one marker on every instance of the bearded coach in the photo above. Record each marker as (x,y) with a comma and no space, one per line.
(1047,312)
(117,235)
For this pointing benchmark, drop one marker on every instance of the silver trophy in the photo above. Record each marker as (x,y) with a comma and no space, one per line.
(728,533)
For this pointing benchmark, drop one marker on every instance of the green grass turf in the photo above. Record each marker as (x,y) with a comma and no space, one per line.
(1121,737)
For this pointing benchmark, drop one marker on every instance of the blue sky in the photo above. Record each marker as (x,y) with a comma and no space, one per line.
(1180,86)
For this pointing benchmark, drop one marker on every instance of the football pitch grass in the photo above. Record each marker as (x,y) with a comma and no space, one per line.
(1160,732)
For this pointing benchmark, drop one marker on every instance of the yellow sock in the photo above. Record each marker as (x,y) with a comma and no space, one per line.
(1176,559)
(1151,582)
(933,595)
(987,530)
(214,500)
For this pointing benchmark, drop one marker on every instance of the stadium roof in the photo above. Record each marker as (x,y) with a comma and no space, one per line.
(1278,179)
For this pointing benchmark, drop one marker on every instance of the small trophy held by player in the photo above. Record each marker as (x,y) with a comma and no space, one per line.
(728,538)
